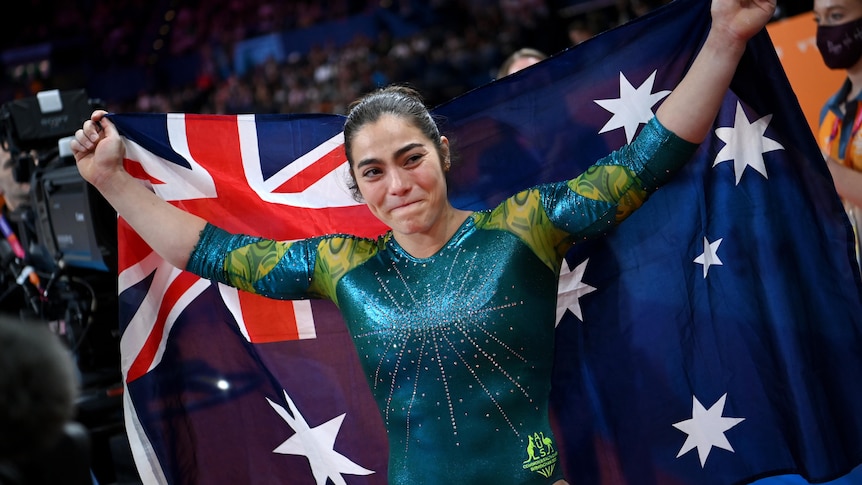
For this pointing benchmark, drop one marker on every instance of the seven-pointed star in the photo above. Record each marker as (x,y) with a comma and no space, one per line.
(571,289)
(709,256)
(317,444)
(633,107)
(706,429)
(745,143)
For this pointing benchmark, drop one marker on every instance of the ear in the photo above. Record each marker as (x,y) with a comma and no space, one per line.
(444,152)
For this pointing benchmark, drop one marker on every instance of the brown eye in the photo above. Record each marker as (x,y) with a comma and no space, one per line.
(413,159)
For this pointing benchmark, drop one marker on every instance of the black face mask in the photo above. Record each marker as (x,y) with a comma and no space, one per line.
(840,45)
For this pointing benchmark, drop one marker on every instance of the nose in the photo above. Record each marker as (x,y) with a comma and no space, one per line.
(399,182)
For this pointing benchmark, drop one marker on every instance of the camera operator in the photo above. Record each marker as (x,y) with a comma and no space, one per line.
(58,260)
(15,194)
(14,197)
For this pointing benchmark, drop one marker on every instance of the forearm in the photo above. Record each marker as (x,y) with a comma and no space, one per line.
(848,182)
(690,110)
(170,231)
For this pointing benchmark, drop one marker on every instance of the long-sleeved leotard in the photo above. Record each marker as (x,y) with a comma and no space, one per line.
(457,347)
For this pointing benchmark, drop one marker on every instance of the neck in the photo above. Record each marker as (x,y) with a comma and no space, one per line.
(426,244)
(854,74)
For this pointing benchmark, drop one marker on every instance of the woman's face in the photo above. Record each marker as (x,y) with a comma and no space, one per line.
(400,175)
(836,12)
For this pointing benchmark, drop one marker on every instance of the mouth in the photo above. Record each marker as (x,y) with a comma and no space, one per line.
(405,205)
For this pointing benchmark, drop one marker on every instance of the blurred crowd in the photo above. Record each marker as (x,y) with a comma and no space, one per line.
(455,46)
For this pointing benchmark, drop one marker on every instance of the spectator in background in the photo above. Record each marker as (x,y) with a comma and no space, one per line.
(39,442)
(520,59)
(12,193)
(579,31)
(839,24)
(588,25)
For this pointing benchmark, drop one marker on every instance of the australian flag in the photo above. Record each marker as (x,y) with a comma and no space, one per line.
(714,337)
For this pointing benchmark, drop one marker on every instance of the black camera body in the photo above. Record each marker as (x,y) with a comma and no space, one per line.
(36,123)
(68,232)
(69,219)
(32,127)
(66,263)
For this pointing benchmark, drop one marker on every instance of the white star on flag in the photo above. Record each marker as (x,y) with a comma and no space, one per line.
(709,257)
(317,444)
(706,429)
(745,143)
(633,107)
(571,289)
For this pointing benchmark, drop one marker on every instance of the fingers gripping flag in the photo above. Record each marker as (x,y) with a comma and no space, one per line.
(712,338)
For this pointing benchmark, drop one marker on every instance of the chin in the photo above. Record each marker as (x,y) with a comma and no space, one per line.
(408,228)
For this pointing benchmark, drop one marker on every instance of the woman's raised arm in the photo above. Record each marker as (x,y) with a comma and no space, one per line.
(691,108)
(99,153)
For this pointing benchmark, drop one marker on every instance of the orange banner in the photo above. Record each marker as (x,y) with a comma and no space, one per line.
(812,81)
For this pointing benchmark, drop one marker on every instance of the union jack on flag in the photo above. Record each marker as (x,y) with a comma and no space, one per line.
(214,166)
(714,337)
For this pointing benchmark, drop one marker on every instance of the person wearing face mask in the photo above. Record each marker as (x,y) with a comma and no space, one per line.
(839,40)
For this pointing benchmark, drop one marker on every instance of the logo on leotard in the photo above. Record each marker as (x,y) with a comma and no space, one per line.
(541,455)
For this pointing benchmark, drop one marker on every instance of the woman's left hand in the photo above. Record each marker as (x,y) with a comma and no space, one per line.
(740,20)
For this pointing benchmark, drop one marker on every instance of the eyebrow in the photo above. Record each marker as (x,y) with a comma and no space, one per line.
(406,148)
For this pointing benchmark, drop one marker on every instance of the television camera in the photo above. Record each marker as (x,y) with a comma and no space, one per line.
(66,245)
(59,249)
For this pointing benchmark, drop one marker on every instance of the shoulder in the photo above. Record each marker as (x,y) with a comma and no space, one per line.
(338,255)
(349,250)
(525,211)
(832,105)
(522,206)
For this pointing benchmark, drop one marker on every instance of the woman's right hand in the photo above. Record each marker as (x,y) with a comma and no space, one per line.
(169,230)
(98,149)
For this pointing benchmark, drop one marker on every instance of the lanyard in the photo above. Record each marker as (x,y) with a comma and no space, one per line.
(836,125)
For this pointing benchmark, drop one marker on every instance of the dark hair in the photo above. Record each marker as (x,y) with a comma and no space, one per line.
(38,387)
(397,100)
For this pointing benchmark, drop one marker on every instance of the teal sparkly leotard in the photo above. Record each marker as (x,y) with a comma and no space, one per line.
(457,347)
